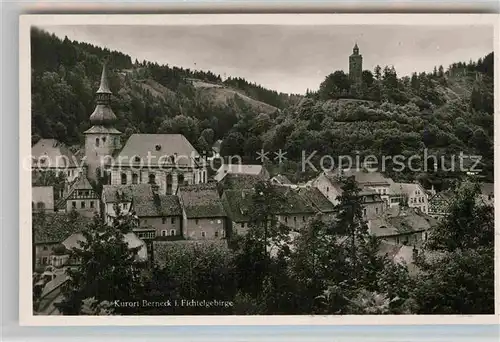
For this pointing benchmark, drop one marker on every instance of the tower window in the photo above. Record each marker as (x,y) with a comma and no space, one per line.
(97,142)
(103,140)
(124,178)
(83,204)
(152,178)
(135,178)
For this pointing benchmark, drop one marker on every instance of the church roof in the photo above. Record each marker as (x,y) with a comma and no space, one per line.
(158,147)
(102,114)
(104,87)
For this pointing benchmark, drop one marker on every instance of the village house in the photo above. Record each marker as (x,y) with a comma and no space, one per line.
(202,212)
(237,205)
(158,215)
(329,184)
(234,181)
(411,194)
(402,225)
(119,197)
(42,198)
(49,231)
(256,170)
(50,155)
(80,197)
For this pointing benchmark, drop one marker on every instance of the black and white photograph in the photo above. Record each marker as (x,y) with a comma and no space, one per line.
(258,169)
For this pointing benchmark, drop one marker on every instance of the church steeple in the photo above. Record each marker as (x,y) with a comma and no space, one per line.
(103,114)
(355,50)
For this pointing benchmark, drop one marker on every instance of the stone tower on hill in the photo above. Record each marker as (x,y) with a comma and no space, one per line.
(102,139)
(355,67)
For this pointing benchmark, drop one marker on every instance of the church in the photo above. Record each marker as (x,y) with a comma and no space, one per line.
(164,160)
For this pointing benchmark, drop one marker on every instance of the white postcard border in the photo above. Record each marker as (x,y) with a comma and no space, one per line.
(26,316)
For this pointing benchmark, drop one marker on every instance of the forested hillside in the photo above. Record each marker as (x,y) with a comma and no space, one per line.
(447,110)
(148,97)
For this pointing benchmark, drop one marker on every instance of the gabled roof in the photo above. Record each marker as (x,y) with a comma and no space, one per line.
(201,201)
(55,154)
(363,177)
(293,203)
(123,193)
(56,227)
(401,220)
(233,181)
(316,199)
(248,169)
(237,204)
(161,148)
(282,179)
(156,205)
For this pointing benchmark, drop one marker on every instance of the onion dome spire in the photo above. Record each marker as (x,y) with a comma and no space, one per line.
(103,114)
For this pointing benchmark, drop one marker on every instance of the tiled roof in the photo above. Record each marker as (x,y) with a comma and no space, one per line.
(160,148)
(400,220)
(201,201)
(54,153)
(56,227)
(247,169)
(156,205)
(293,203)
(123,193)
(237,204)
(316,199)
(362,177)
(234,181)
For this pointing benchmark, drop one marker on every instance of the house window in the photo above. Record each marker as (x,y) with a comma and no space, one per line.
(97,142)
(295,219)
(124,178)
(163,233)
(376,210)
(303,219)
(152,178)
(91,204)
(82,204)
(286,219)
(216,234)
(172,232)
(196,221)
(40,205)
(172,220)
(103,140)
(203,234)
(327,189)
(135,178)
(364,212)
(243,225)
(73,204)
(163,220)
(45,248)
(44,260)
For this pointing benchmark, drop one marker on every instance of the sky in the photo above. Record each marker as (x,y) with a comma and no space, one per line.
(288,59)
